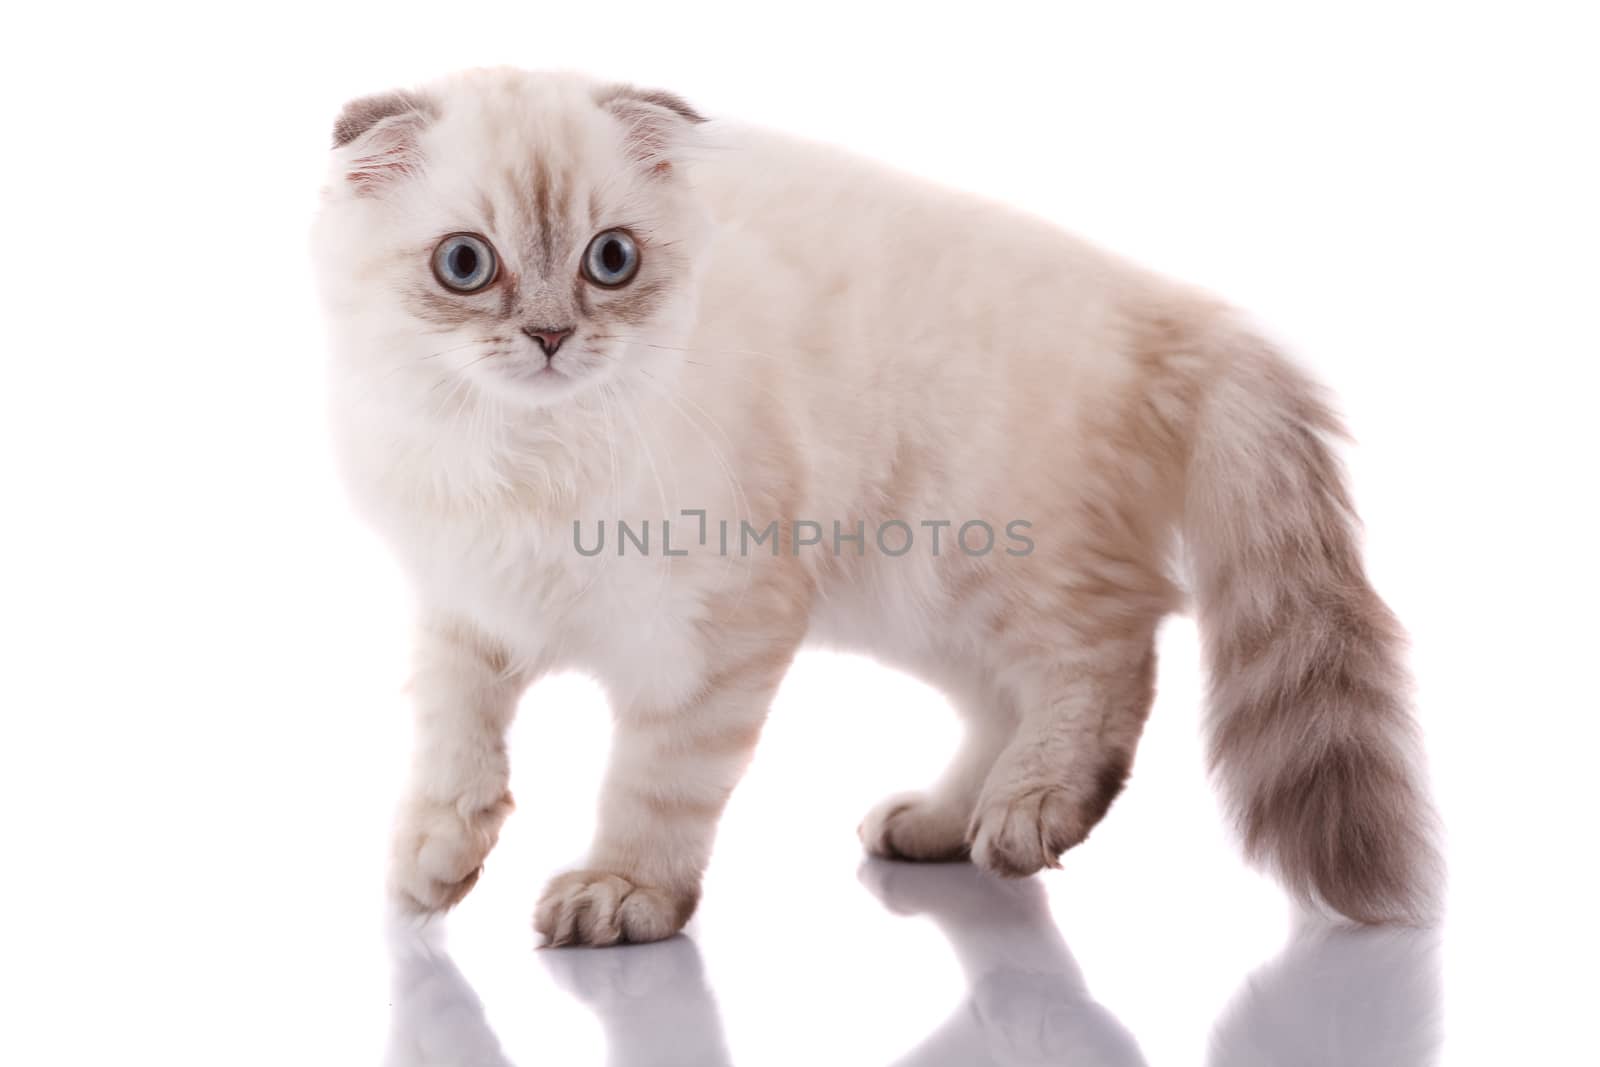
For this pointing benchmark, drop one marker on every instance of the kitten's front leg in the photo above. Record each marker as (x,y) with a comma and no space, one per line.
(672,770)
(465,695)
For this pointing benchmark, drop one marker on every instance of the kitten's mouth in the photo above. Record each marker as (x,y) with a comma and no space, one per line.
(542,375)
(547,371)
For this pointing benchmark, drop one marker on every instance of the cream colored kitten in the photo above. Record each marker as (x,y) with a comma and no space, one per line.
(560,306)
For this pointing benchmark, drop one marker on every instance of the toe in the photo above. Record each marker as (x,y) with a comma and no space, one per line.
(1027,833)
(651,915)
(597,908)
(439,853)
(911,827)
(874,830)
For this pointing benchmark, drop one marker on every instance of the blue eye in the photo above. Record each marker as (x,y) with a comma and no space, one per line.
(464,263)
(611,260)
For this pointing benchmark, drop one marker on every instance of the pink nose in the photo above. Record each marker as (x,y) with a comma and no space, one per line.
(548,338)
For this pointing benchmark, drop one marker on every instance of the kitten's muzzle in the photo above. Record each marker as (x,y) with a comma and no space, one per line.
(548,338)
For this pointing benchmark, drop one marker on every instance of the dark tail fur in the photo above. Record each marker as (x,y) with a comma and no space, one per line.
(1310,731)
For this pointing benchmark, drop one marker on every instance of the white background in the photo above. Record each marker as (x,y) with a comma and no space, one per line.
(202,725)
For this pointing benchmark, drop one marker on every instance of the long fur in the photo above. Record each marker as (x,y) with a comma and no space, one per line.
(827,348)
(1310,732)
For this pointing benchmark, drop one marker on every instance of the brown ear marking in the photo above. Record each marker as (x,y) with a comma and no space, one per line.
(659,97)
(363,113)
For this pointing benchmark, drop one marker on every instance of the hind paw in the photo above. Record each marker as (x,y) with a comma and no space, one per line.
(1020,835)
(912,827)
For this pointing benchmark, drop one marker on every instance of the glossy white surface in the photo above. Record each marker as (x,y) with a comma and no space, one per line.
(202,727)
(1330,997)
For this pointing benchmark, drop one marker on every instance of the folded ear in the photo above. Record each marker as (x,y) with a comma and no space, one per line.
(381,133)
(654,122)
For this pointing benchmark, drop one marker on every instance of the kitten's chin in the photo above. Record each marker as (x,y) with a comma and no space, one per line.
(529,383)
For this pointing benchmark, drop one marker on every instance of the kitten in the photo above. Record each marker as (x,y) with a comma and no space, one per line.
(568,314)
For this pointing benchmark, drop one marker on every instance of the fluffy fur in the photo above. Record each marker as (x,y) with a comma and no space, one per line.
(811,337)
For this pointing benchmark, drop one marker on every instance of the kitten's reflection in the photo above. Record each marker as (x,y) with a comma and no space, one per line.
(436,1019)
(1338,996)
(1335,996)
(1027,1002)
(652,1000)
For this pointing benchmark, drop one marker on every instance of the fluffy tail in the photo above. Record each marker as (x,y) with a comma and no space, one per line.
(1310,733)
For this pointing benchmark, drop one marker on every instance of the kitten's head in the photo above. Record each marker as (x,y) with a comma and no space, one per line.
(531,235)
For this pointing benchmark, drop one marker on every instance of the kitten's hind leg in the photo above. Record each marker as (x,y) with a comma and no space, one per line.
(932,826)
(1070,757)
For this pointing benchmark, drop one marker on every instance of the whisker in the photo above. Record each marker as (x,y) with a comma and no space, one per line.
(679,348)
(457,348)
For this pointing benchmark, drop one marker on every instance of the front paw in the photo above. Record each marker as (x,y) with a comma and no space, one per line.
(598,908)
(439,852)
